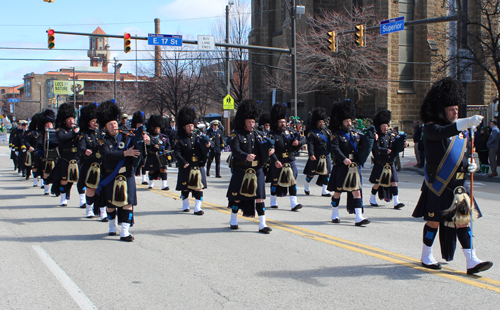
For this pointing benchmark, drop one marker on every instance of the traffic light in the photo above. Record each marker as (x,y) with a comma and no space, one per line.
(126,42)
(359,37)
(49,1)
(331,39)
(50,38)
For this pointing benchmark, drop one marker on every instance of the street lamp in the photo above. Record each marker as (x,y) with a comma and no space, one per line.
(117,66)
(228,70)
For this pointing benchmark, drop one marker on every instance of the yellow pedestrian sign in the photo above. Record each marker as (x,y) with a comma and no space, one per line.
(228,103)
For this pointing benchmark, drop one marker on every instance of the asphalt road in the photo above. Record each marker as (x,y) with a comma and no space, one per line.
(53,257)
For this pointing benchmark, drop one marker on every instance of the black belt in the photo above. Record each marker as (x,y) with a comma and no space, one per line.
(71,150)
(246,164)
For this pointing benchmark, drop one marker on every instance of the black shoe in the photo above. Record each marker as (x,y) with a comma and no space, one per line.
(336,221)
(208,174)
(144,183)
(233,226)
(218,176)
(274,207)
(480,267)
(166,188)
(201,212)
(266,230)
(150,187)
(27,177)
(112,233)
(326,195)
(64,205)
(186,210)
(91,217)
(128,238)
(83,206)
(105,220)
(307,192)
(297,207)
(435,266)
(42,187)
(363,222)
(46,193)
(399,206)
(374,204)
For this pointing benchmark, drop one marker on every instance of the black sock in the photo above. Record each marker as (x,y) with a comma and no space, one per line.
(429,235)
(394,190)
(90,200)
(335,202)
(259,207)
(464,236)
(374,191)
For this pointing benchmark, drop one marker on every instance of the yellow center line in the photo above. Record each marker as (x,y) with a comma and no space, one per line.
(410,262)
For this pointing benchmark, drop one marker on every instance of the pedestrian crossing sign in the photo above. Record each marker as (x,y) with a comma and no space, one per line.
(228,103)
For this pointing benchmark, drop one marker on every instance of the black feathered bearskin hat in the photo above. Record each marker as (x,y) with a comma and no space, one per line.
(48,116)
(341,111)
(278,111)
(382,117)
(107,111)
(138,118)
(264,118)
(87,113)
(35,119)
(184,117)
(248,109)
(443,93)
(155,121)
(65,111)
(318,114)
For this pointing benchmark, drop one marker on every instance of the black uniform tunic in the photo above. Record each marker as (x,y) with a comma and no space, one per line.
(341,150)
(111,150)
(384,143)
(152,161)
(216,145)
(88,140)
(189,150)
(318,146)
(67,140)
(243,143)
(284,152)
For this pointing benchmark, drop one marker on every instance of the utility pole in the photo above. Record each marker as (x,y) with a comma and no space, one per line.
(228,68)
(117,66)
(293,53)
(74,90)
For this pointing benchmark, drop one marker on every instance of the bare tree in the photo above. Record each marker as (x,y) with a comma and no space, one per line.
(474,40)
(359,70)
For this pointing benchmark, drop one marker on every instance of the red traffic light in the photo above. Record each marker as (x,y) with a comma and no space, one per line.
(126,36)
(50,32)
(51,39)
(126,42)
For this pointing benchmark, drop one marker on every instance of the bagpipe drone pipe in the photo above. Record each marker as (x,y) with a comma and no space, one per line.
(367,138)
(137,142)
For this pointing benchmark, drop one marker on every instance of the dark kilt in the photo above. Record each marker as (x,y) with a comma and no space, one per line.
(430,205)
(377,172)
(84,168)
(106,194)
(39,165)
(337,178)
(153,163)
(233,192)
(183,178)
(60,171)
(275,175)
(311,165)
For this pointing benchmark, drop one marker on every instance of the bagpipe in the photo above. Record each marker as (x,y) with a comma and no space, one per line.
(266,143)
(50,143)
(203,139)
(137,142)
(367,138)
(399,141)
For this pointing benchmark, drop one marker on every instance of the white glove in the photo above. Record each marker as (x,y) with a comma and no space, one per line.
(472,166)
(466,123)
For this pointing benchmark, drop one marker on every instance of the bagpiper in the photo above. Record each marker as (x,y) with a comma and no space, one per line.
(191,151)
(444,201)
(283,170)
(250,151)
(137,121)
(156,160)
(318,147)
(48,145)
(385,150)
(117,188)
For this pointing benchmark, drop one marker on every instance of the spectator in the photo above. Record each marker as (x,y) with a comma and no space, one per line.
(482,149)
(492,145)
(417,138)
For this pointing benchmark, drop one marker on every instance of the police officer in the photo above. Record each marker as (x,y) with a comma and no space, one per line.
(445,141)
(283,171)
(124,122)
(14,151)
(156,160)
(385,150)
(318,147)
(216,146)
(346,173)
(117,186)
(250,151)
(191,151)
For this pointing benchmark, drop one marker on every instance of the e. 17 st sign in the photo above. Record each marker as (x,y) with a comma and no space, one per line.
(164,39)
(392,25)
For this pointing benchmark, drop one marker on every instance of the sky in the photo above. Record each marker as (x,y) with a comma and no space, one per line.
(24,24)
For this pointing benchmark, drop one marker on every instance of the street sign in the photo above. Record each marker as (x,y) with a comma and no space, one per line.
(13,100)
(392,25)
(164,39)
(228,103)
(206,43)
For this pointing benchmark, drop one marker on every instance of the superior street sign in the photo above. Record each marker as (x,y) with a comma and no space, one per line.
(392,25)
(164,39)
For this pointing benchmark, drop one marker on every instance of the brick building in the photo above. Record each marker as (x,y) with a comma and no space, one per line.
(413,57)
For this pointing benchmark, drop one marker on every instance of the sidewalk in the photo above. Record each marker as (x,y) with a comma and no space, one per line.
(410,166)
